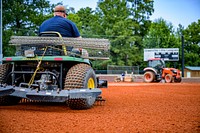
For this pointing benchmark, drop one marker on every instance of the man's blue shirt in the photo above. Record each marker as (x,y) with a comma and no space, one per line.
(62,25)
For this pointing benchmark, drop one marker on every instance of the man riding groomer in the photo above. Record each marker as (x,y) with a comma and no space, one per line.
(60,23)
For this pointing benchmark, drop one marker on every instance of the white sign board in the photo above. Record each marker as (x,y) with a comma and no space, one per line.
(169,54)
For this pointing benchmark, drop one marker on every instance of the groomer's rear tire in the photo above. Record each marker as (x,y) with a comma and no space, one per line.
(6,100)
(81,103)
(81,76)
(4,69)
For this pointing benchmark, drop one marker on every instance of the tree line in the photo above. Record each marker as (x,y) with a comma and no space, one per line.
(126,23)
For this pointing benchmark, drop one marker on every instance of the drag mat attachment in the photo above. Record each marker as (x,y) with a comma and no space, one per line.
(100,101)
(4,91)
(25,101)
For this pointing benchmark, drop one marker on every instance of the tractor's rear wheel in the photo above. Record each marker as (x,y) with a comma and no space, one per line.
(81,76)
(177,80)
(6,100)
(168,78)
(4,68)
(149,77)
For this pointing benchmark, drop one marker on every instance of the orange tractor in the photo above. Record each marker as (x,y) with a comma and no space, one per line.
(156,71)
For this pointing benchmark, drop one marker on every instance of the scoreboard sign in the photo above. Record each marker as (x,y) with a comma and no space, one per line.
(168,54)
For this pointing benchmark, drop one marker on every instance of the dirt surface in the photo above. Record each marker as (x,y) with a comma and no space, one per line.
(129,108)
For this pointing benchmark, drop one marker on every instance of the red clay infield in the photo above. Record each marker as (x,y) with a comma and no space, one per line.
(129,108)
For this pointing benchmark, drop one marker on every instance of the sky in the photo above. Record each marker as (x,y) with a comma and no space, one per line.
(182,12)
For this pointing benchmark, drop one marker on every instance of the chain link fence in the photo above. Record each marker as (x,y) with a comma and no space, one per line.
(113,69)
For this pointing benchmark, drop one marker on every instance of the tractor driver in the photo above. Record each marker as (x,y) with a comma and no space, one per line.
(60,24)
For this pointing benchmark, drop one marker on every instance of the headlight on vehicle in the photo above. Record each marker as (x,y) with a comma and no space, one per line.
(29,53)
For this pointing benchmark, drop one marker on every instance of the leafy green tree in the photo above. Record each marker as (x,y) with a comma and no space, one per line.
(125,22)
(161,35)
(117,26)
(7,50)
(192,44)
(140,12)
(22,17)
(86,18)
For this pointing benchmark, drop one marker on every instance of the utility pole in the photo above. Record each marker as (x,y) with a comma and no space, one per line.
(1,45)
(183,60)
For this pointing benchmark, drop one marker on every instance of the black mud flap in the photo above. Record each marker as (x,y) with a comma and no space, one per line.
(7,90)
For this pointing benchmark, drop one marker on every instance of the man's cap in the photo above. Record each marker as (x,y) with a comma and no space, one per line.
(60,8)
